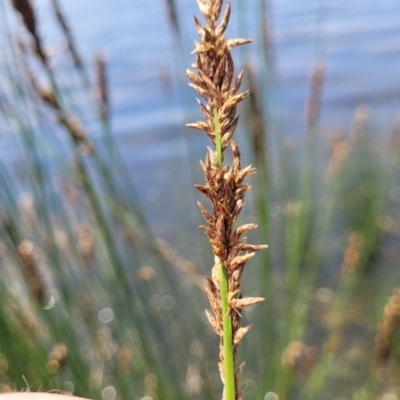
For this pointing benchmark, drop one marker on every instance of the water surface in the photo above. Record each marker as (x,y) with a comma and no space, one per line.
(359,42)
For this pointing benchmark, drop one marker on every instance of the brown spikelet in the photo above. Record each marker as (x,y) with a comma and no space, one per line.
(76,131)
(68,34)
(27,13)
(292,355)
(215,70)
(30,269)
(125,355)
(71,124)
(340,148)
(25,9)
(387,329)
(45,94)
(57,358)
(132,237)
(48,97)
(313,105)
(214,80)
(102,89)
(352,253)
(240,333)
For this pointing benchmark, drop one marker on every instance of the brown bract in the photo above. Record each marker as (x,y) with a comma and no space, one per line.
(387,329)
(102,90)
(25,9)
(68,34)
(215,71)
(224,186)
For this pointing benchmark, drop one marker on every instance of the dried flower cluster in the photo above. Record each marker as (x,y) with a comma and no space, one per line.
(49,96)
(102,91)
(388,327)
(352,254)
(25,9)
(30,268)
(313,105)
(72,125)
(224,185)
(215,70)
(68,34)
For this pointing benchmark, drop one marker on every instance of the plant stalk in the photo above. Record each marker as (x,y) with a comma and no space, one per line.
(229,367)
(228,341)
(218,138)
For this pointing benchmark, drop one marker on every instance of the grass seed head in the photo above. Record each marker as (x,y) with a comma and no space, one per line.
(213,80)
(27,13)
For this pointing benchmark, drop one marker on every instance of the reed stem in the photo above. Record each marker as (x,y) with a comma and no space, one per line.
(218,138)
(227,320)
(228,341)
(229,364)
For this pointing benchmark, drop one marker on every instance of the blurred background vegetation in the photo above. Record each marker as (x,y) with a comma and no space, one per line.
(102,264)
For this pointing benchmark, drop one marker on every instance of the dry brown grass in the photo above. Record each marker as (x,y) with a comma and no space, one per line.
(388,328)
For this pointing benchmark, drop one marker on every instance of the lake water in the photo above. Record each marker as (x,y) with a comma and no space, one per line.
(359,42)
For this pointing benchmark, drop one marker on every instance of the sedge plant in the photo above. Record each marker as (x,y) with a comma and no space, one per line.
(224,187)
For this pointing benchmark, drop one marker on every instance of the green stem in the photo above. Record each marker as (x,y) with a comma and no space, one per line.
(218,138)
(229,365)
(228,341)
